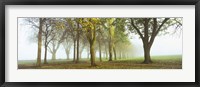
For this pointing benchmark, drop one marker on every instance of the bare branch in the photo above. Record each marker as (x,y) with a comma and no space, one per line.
(153,35)
(138,31)
(165,20)
(49,49)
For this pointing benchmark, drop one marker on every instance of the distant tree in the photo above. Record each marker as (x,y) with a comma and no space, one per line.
(84,43)
(67,44)
(59,34)
(120,35)
(99,40)
(73,29)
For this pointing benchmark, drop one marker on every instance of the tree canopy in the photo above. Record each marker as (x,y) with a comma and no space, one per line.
(107,36)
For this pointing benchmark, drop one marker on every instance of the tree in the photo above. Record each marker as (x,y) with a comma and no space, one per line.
(59,34)
(99,40)
(48,30)
(78,38)
(54,47)
(120,35)
(149,28)
(89,25)
(67,45)
(103,36)
(37,24)
(41,22)
(72,26)
(84,43)
(108,24)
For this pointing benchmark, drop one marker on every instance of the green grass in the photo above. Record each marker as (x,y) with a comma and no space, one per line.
(159,62)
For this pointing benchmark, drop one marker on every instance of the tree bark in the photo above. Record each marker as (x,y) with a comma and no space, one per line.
(92,53)
(115,55)
(147,57)
(39,43)
(45,50)
(74,59)
(45,55)
(110,51)
(77,60)
(100,51)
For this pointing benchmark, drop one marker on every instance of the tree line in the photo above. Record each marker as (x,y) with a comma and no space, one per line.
(109,36)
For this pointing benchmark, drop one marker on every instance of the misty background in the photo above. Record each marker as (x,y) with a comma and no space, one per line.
(169,44)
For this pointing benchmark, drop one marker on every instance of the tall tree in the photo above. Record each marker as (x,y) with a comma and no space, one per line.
(99,40)
(84,43)
(111,36)
(149,28)
(67,44)
(41,22)
(59,34)
(89,25)
(47,31)
(72,26)
(120,35)
(78,38)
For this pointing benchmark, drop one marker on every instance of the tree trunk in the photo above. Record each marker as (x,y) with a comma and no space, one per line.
(92,53)
(147,57)
(110,51)
(146,46)
(81,51)
(67,54)
(80,55)
(45,55)
(88,54)
(106,52)
(120,54)
(54,55)
(115,55)
(74,51)
(39,43)
(77,60)
(100,51)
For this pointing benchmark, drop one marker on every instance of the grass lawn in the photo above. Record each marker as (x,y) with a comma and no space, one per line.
(159,62)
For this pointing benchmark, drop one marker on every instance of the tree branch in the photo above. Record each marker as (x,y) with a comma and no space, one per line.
(165,20)
(146,31)
(138,31)
(153,35)
(49,49)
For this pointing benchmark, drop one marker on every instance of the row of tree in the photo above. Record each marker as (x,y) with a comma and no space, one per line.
(108,36)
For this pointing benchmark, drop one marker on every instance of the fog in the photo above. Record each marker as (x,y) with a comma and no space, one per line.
(169,44)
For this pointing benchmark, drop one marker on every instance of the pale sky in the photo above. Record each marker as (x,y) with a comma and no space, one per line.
(170,44)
